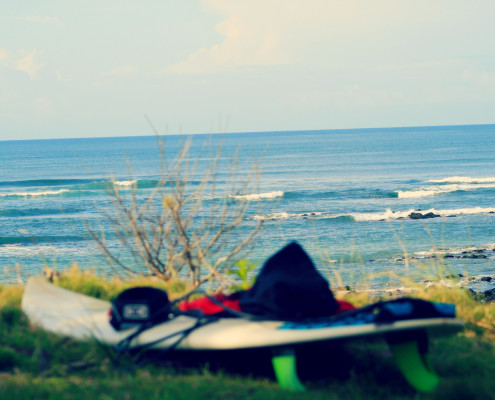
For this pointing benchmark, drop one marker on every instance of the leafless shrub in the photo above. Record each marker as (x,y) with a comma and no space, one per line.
(184,229)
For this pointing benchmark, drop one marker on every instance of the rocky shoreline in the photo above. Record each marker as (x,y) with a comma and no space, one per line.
(471,254)
(483,296)
(418,214)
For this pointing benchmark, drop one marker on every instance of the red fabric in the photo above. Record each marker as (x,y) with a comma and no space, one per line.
(208,307)
(344,306)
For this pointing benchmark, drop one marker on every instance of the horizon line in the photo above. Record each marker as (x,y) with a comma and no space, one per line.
(249,132)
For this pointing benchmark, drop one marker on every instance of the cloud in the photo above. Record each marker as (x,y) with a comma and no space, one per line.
(334,33)
(247,41)
(28,63)
(46,20)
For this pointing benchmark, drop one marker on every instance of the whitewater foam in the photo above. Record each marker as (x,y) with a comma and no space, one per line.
(387,215)
(18,250)
(391,215)
(463,179)
(260,196)
(285,215)
(125,183)
(436,190)
(32,194)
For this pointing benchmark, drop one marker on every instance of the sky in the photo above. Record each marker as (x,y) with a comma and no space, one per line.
(127,68)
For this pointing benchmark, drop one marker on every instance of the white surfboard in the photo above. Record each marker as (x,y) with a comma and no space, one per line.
(82,317)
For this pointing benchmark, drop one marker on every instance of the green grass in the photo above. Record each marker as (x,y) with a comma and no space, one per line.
(37,365)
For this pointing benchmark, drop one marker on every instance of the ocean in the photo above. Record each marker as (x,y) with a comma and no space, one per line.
(356,200)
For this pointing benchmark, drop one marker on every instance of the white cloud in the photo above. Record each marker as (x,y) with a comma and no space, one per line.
(46,20)
(335,33)
(28,63)
(247,41)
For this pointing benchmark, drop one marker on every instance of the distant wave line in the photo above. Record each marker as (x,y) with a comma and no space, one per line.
(463,179)
(387,215)
(44,182)
(437,190)
(34,194)
(395,215)
(260,196)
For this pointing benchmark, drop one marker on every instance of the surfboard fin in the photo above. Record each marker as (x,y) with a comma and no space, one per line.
(284,365)
(415,365)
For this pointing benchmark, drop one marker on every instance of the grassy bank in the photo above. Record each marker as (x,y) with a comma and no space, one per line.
(38,365)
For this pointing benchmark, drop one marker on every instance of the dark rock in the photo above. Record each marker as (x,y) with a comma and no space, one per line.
(431,215)
(418,215)
(484,296)
(474,256)
(415,215)
(486,279)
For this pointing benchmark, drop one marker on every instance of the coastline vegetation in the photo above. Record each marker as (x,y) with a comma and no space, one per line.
(40,365)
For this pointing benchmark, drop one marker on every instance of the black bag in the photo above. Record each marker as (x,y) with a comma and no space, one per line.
(289,288)
(139,306)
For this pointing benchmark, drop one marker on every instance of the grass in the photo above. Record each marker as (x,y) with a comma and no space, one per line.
(37,365)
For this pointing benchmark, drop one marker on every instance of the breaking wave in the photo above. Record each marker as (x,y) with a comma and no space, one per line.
(73,187)
(260,196)
(395,215)
(35,194)
(463,179)
(387,215)
(285,215)
(437,190)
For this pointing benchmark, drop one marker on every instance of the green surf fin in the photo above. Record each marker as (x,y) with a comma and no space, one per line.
(415,366)
(284,365)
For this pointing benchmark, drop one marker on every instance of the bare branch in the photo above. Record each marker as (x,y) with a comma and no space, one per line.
(183,228)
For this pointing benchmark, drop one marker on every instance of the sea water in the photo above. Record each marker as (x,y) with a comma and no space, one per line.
(347,196)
